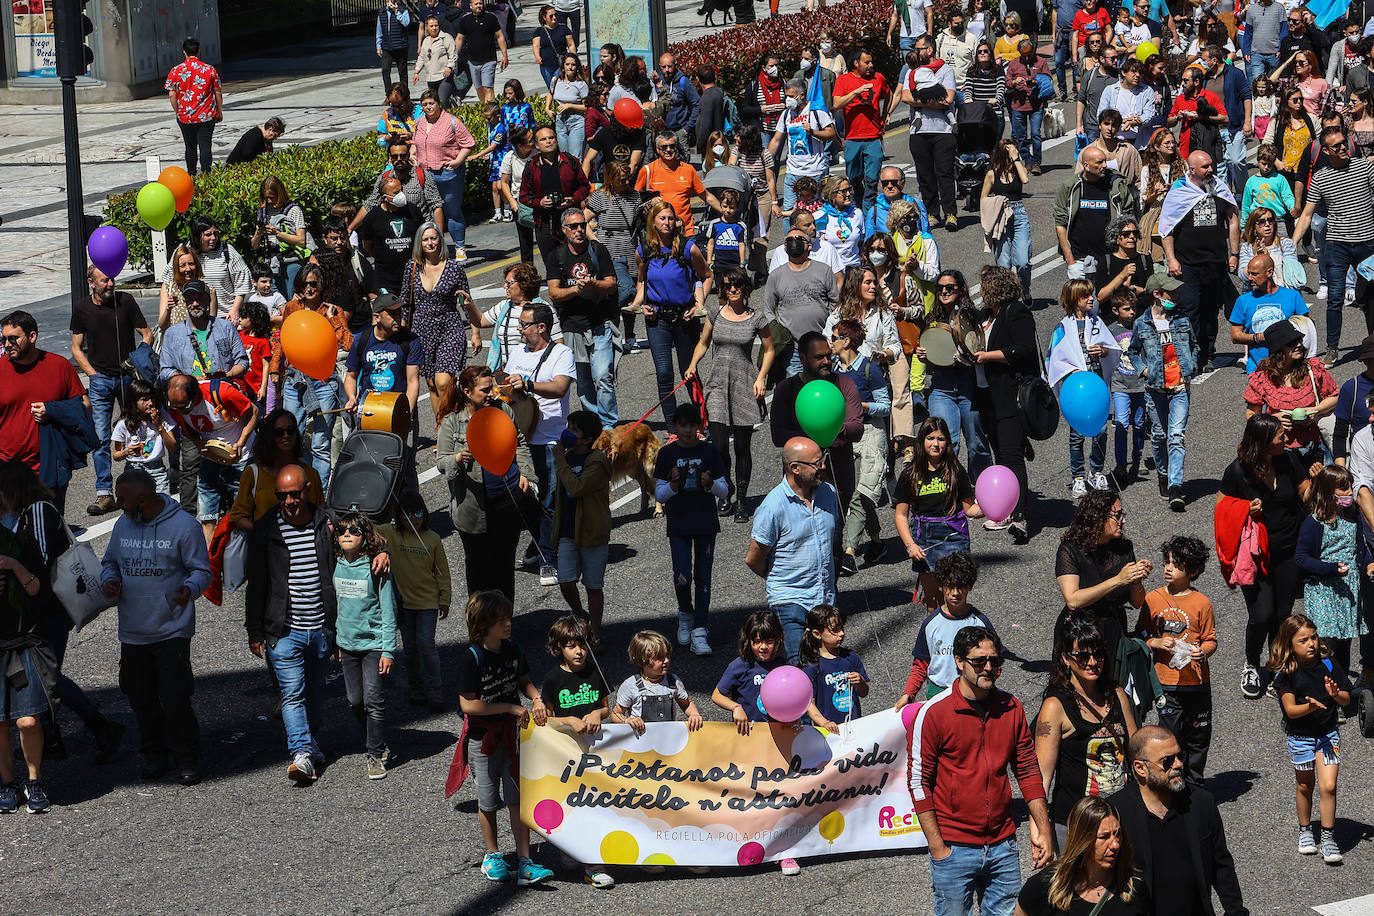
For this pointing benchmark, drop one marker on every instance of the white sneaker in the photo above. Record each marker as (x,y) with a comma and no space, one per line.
(596,876)
(684,629)
(460,253)
(301,770)
(1080,488)
(1100,481)
(1321,291)
(699,644)
(1349,296)
(548,575)
(1307,844)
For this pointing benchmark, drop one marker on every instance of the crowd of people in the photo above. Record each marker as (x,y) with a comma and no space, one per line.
(1173,224)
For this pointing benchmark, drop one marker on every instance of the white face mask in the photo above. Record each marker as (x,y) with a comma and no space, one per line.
(792,103)
(718,150)
(826,47)
(806,64)
(877,258)
(772,71)
(398,199)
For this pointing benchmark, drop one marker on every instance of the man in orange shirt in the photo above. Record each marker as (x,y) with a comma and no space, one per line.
(674,180)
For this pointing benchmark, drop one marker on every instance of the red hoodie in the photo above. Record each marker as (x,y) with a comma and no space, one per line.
(957,765)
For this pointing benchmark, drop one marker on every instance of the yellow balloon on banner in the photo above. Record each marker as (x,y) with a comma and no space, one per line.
(658,858)
(832,825)
(619,848)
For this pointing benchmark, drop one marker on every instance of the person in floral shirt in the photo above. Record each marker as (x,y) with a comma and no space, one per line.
(194,90)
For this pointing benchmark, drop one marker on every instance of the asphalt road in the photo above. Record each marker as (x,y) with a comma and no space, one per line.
(246,840)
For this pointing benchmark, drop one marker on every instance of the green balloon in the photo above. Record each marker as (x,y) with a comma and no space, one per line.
(157,205)
(820,411)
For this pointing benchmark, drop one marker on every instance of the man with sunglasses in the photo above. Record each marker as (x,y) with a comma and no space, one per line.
(422,196)
(1176,832)
(1201,112)
(582,285)
(960,746)
(1264,304)
(1302,36)
(892,188)
(795,540)
(674,180)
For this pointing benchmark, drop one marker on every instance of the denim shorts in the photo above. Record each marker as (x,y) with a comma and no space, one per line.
(1303,750)
(29,700)
(585,563)
(495,785)
(483,75)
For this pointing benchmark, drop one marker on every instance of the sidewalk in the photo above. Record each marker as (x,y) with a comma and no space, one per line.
(331,90)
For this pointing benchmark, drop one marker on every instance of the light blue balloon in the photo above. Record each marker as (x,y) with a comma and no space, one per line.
(1085,402)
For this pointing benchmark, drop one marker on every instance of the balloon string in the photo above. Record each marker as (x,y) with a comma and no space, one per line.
(543,560)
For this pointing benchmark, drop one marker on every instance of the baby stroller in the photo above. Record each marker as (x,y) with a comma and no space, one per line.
(975,136)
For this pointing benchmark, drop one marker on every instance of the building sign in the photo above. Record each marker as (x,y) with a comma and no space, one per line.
(35,45)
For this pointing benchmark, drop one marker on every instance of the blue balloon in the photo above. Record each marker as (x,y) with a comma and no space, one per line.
(1085,402)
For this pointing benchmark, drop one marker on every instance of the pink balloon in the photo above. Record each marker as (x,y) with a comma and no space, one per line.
(909,713)
(997,491)
(750,854)
(548,814)
(786,692)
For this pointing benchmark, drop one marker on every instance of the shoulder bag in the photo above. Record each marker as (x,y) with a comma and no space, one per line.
(76,579)
(1039,406)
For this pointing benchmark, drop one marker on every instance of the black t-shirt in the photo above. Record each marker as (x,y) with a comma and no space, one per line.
(691,511)
(619,145)
(1310,684)
(1035,900)
(1093,568)
(591,308)
(104,348)
(933,498)
(251,145)
(1200,237)
(1088,228)
(1113,265)
(493,677)
(479,37)
(1282,508)
(392,233)
(553,44)
(574,693)
(1175,888)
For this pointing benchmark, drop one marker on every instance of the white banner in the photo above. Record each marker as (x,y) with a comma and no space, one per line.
(715,797)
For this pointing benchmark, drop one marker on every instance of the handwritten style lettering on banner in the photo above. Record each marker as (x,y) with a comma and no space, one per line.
(715,797)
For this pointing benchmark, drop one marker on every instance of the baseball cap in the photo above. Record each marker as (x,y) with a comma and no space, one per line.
(385,303)
(196,288)
(1161,280)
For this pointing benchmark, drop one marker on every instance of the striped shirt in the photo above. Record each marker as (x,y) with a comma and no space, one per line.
(614,218)
(224,271)
(980,86)
(303,582)
(1349,197)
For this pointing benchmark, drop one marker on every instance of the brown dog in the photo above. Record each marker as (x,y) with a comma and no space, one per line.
(633,449)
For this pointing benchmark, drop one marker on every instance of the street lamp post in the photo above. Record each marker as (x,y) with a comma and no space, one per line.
(73,58)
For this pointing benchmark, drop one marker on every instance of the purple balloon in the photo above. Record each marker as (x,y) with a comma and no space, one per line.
(109,250)
(997,491)
(786,692)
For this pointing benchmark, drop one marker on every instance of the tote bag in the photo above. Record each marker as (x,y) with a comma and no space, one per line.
(76,580)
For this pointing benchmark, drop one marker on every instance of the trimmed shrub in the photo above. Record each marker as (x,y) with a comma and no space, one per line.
(316,177)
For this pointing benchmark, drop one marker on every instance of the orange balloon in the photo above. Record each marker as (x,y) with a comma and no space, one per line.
(491,439)
(179,182)
(307,339)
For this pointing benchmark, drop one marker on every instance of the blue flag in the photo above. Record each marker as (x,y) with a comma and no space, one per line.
(1327,11)
(815,92)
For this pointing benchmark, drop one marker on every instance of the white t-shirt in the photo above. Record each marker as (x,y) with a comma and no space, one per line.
(514,166)
(916,12)
(820,251)
(143,440)
(553,412)
(630,697)
(805,154)
(273,302)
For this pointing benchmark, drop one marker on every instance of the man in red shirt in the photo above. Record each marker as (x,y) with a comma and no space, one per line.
(863,95)
(194,91)
(959,748)
(30,379)
(1196,105)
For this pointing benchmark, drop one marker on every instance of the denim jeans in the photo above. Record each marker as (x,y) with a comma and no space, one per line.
(1319,241)
(421,655)
(1096,460)
(363,684)
(548,73)
(951,399)
(597,357)
(284,275)
(450,185)
(693,586)
(56,627)
(1028,145)
(1339,257)
(105,392)
(1065,43)
(542,458)
(1128,416)
(992,873)
(1170,406)
(1013,249)
(664,338)
(217,486)
(299,660)
(1233,145)
(321,424)
(789,190)
(572,134)
(863,160)
(1260,63)
(793,620)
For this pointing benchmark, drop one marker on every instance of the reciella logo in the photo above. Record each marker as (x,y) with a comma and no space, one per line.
(890,823)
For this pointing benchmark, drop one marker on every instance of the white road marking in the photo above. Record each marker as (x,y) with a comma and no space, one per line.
(1355,906)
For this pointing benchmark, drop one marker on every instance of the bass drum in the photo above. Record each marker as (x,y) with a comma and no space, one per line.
(385,412)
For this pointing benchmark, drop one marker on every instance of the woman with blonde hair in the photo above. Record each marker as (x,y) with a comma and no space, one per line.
(1094,873)
(1262,236)
(672,284)
(171,305)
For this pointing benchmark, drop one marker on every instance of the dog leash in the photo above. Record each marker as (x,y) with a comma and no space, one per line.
(655,407)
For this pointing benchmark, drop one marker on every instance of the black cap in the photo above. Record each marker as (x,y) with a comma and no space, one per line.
(196,288)
(385,303)
(1281,335)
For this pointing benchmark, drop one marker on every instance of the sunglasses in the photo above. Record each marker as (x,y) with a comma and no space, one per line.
(1130,233)
(284,495)
(311,284)
(356,530)
(731,284)
(13,339)
(947,287)
(980,662)
(528,324)
(812,464)
(402,157)
(574,225)
(1265,220)
(284,431)
(1083,655)
(1168,760)
(889,183)
(1119,515)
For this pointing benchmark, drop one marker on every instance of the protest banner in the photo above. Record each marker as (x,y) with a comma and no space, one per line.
(715,797)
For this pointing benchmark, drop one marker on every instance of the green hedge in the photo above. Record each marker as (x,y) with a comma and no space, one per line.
(316,177)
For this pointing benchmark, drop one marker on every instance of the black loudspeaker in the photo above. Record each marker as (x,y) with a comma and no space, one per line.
(365,478)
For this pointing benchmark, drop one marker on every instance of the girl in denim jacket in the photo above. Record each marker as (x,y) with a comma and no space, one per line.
(1164,349)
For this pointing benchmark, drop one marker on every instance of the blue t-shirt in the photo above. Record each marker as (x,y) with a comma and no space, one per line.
(1353,392)
(935,642)
(743,679)
(835,696)
(1254,313)
(381,364)
(728,238)
(1066,10)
